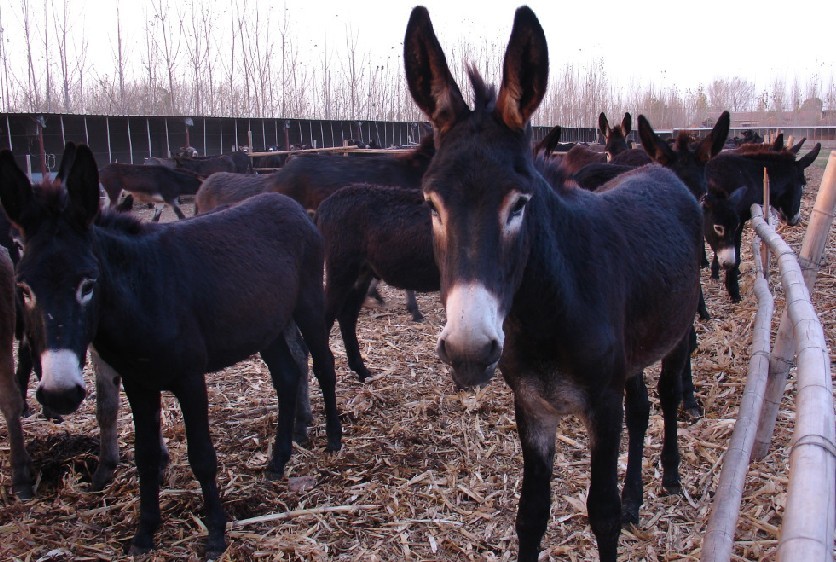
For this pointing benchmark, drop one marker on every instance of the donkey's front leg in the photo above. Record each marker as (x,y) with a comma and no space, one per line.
(11,404)
(604,420)
(537,433)
(194,403)
(108,383)
(145,406)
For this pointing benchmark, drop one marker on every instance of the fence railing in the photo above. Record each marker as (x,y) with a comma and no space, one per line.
(810,511)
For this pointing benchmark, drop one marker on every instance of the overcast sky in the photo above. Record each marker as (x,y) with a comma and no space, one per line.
(640,42)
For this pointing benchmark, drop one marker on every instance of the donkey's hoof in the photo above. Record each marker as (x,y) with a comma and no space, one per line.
(300,437)
(672,488)
(274,474)
(417,317)
(333,445)
(691,414)
(101,478)
(135,549)
(629,516)
(27,411)
(23,491)
(215,549)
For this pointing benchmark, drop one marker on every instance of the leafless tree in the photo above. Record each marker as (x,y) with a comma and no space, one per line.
(5,79)
(170,49)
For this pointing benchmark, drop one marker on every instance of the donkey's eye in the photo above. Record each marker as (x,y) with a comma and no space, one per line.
(517,208)
(27,294)
(431,205)
(719,229)
(85,290)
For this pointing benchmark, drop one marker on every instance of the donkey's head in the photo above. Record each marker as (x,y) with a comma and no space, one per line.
(721,221)
(478,186)
(788,201)
(58,271)
(687,161)
(615,138)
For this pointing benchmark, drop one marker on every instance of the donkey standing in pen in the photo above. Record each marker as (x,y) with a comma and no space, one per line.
(527,279)
(735,182)
(372,232)
(163,304)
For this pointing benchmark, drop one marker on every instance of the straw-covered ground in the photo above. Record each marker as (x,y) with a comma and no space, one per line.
(426,472)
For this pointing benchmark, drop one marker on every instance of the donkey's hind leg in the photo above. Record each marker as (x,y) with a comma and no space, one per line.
(175,206)
(285,374)
(691,407)
(299,352)
(309,316)
(412,306)
(637,413)
(347,318)
(670,394)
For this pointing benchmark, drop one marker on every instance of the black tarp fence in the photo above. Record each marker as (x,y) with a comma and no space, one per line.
(131,139)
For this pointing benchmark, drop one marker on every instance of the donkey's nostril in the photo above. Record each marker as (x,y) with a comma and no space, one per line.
(441,349)
(494,352)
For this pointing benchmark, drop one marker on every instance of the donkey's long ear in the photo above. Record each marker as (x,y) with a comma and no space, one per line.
(713,143)
(627,124)
(427,74)
(15,189)
(778,143)
(82,182)
(603,125)
(66,161)
(796,147)
(658,150)
(810,157)
(525,71)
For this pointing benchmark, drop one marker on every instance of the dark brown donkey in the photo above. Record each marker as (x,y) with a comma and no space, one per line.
(149,184)
(372,232)
(527,274)
(164,304)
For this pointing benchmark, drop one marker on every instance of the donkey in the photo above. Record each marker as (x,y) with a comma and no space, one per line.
(527,274)
(163,304)
(615,142)
(11,402)
(309,179)
(735,182)
(615,138)
(372,232)
(149,184)
(228,188)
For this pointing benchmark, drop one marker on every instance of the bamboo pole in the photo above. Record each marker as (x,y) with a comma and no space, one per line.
(810,512)
(767,209)
(812,249)
(719,537)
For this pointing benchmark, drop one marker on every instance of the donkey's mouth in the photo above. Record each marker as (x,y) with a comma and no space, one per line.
(470,374)
(62,402)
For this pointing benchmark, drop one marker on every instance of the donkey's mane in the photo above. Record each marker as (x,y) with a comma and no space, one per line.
(122,222)
(484,95)
(684,141)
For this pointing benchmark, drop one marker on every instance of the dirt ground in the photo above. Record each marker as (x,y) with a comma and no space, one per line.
(426,472)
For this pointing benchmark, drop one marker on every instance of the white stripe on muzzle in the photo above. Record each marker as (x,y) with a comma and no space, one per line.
(726,257)
(61,370)
(472,320)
